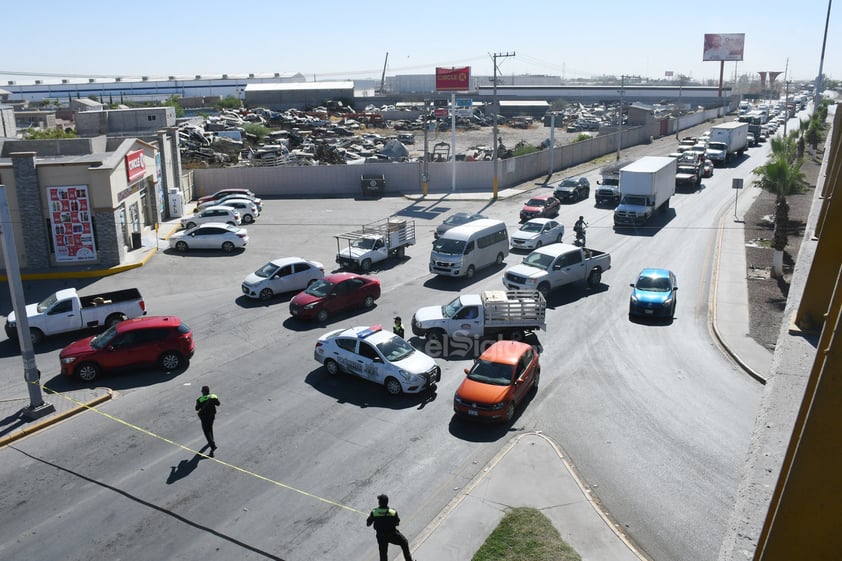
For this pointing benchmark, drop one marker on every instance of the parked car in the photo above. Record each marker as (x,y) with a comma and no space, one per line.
(225,192)
(333,294)
(537,232)
(258,202)
(498,381)
(375,354)
(278,276)
(572,189)
(653,294)
(456,219)
(213,235)
(545,206)
(247,208)
(163,340)
(215,213)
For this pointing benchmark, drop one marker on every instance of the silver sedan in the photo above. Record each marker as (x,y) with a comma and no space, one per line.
(536,233)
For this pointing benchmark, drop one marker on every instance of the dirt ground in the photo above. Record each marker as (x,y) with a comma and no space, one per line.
(767,295)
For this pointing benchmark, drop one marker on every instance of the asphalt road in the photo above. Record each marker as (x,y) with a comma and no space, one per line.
(656,420)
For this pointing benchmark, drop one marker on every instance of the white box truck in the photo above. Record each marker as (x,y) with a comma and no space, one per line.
(645,185)
(726,141)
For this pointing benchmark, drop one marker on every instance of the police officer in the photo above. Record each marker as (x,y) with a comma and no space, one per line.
(386,522)
(398,328)
(206,406)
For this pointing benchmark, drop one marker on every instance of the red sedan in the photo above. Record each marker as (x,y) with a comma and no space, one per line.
(333,294)
(543,206)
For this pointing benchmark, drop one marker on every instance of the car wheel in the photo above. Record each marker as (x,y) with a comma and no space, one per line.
(510,411)
(436,335)
(595,278)
(469,274)
(190,225)
(401,252)
(231,223)
(35,335)
(544,289)
(181,246)
(248,219)
(365,266)
(536,381)
(393,387)
(368,302)
(321,315)
(539,244)
(332,367)
(266,294)
(516,335)
(499,260)
(558,239)
(228,247)
(672,309)
(170,360)
(87,371)
(114,319)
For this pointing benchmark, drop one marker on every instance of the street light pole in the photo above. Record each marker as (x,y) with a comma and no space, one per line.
(37,407)
(495,111)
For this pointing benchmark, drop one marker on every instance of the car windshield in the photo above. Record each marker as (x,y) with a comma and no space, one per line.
(568,183)
(531,227)
(456,219)
(717,145)
(453,247)
(395,349)
(47,302)
(653,284)
(631,200)
(363,243)
(454,306)
(537,202)
(539,260)
(320,288)
(103,339)
(491,373)
(266,271)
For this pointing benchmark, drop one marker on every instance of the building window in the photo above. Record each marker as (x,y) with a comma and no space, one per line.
(150,117)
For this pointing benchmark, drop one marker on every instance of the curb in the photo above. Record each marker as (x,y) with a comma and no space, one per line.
(49,421)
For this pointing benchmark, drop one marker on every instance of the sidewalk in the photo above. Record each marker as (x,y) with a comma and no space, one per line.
(462,527)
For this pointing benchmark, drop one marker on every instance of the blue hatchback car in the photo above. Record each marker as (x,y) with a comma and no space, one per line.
(653,294)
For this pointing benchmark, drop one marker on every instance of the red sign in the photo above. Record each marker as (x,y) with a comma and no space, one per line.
(135,165)
(453,79)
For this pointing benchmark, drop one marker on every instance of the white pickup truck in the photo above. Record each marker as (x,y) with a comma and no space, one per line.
(511,313)
(556,265)
(66,311)
(375,242)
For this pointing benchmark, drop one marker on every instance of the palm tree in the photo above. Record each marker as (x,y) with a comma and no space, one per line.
(782,176)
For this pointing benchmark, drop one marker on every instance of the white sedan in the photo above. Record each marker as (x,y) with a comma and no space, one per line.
(380,356)
(286,274)
(213,235)
(247,208)
(216,213)
(537,232)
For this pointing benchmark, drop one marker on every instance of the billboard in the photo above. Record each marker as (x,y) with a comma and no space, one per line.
(453,79)
(72,227)
(723,46)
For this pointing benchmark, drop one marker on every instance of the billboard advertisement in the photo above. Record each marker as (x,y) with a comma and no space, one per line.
(723,46)
(453,79)
(72,228)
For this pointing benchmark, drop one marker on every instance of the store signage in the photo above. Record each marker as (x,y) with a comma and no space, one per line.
(71,224)
(453,79)
(135,165)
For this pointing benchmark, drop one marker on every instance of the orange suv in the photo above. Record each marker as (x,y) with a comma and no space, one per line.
(498,381)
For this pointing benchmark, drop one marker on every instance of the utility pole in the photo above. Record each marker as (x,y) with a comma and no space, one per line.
(37,407)
(494,108)
(620,113)
(786,95)
(678,115)
(820,77)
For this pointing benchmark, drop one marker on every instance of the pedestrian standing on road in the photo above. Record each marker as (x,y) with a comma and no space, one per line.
(398,328)
(206,406)
(386,522)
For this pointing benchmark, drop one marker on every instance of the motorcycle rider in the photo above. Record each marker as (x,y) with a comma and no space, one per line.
(579,228)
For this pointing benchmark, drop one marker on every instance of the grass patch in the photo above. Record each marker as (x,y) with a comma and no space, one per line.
(525,534)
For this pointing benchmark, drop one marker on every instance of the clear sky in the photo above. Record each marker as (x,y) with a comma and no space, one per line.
(331,40)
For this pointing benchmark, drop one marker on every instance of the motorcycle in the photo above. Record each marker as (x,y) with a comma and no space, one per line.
(580,236)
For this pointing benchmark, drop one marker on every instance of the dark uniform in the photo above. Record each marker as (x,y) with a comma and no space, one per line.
(386,522)
(206,406)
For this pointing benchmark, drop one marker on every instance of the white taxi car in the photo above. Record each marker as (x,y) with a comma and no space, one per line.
(377,355)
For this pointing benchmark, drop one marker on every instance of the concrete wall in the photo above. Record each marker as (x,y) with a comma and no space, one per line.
(344,180)
(125,122)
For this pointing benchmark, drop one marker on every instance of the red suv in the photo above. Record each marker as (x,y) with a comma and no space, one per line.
(163,340)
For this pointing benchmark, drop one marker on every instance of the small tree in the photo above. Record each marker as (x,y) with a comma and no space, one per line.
(256,129)
(173,101)
(229,102)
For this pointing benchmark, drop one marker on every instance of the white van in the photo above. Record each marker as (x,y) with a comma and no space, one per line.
(465,249)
